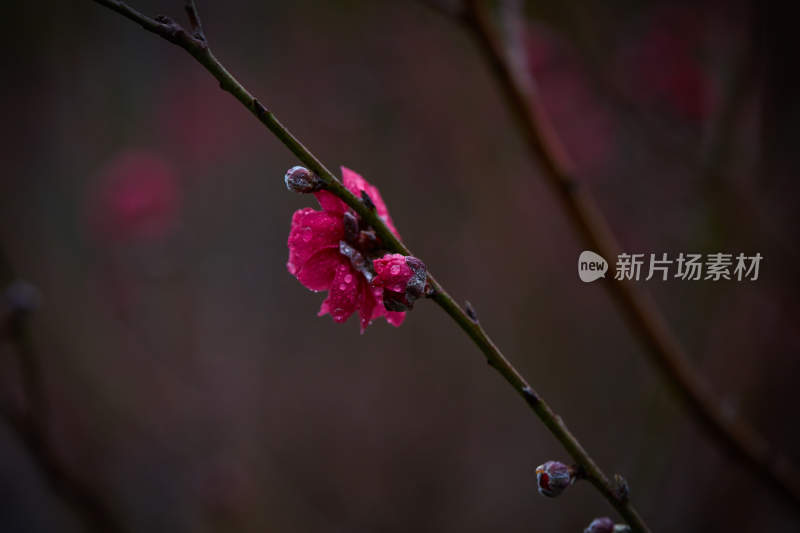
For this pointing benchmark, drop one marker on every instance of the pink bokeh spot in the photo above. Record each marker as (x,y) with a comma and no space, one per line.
(137,198)
(317,259)
(664,66)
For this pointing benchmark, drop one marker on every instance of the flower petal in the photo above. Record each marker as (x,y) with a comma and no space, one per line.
(392,272)
(317,273)
(343,298)
(355,183)
(367,306)
(330,202)
(372,307)
(395,318)
(311,232)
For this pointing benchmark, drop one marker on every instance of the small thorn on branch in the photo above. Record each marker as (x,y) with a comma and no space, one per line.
(530,395)
(471,312)
(260,110)
(621,489)
(367,201)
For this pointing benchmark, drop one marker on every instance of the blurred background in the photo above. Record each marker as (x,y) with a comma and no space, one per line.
(188,379)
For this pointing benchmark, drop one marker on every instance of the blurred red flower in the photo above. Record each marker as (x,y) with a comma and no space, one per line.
(137,197)
(664,66)
(581,119)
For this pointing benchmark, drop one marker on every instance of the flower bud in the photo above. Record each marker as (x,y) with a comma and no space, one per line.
(416,284)
(300,179)
(600,525)
(402,278)
(553,477)
(21,296)
(606,525)
(621,488)
(350,222)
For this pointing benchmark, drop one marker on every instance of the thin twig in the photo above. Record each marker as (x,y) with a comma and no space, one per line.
(194,20)
(30,425)
(199,50)
(733,432)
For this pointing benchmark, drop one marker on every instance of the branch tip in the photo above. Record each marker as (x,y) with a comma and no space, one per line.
(194,21)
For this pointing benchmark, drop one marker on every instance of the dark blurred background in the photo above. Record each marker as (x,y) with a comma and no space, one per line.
(188,378)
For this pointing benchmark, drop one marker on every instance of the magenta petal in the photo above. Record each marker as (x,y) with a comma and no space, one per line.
(330,202)
(372,306)
(311,232)
(369,305)
(355,184)
(395,318)
(317,273)
(343,297)
(392,272)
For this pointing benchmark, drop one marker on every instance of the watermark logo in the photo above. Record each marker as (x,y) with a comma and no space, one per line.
(591,266)
(685,266)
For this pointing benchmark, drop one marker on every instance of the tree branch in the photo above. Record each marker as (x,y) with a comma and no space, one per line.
(200,51)
(731,431)
(30,425)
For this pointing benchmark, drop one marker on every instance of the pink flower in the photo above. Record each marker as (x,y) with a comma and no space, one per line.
(334,250)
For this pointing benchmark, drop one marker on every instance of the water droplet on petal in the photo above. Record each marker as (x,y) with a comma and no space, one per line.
(342,287)
(348,278)
(307,234)
(395,269)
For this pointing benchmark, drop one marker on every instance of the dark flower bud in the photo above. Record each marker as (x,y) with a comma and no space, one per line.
(367,239)
(553,477)
(300,179)
(416,284)
(600,525)
(395,301)
(21,296)
(621,488)
(357,260)
(350,222)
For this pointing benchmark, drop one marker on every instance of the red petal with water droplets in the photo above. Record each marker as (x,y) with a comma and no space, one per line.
(330,202)
(311,232)
(317,273)
(392,272)
(343,298)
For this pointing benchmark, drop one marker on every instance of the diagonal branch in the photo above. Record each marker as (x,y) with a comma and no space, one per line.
(200,51)
(644,317)
(30,425)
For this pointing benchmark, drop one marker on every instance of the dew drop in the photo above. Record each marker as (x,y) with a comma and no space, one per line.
(342,287)
(306,234)
(348,278)
(395,269)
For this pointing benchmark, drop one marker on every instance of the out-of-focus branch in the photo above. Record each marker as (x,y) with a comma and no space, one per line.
(644,317)
(198,48)
(30,424)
